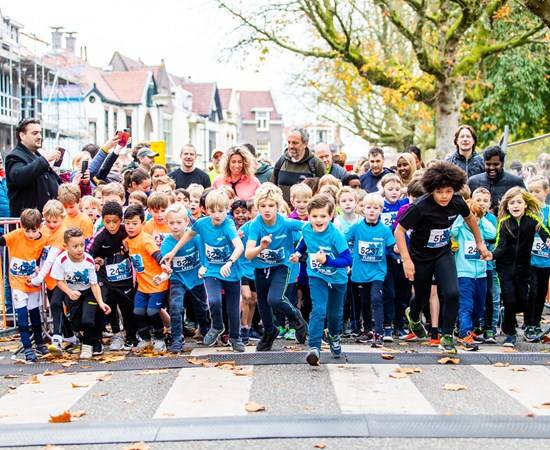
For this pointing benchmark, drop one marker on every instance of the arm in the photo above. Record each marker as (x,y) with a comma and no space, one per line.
(253,250)
(73,295)
(22,174)
(488,230)
(46,267)
(401,242)
(456,226)
(344,259)
(482,248)
(96,290)
(188,235)
(238,249)
(107,165)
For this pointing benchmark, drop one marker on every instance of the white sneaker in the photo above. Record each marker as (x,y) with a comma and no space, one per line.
(71,340)
(142,345)
(117,343)
(159,346)
(55,347)
(86,352)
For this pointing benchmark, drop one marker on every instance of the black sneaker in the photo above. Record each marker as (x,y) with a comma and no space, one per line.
(30,356)
(42,349)
(245,335)
(301,328)
(97,349)
(168,339)
(254,335)
(335,346)
(377,341)
(266,342)
(313,356)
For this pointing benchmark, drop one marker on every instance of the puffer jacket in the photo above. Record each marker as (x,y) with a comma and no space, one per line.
(473,166)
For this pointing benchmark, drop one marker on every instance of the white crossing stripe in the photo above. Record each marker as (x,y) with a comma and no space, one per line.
(206,392)
(368,389)
(530,387)
(34,403)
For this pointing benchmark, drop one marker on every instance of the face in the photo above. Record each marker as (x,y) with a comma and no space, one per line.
(52,222)
(268,209)
(144,186)
(147,162)
(112,223)
(177,222)
(465,140)
(188,157)
(91,211)
(443,195)
(493,167)
(299,203)
(403,168)
(158,173)
(325,156)
(236,165)
(133,226)
(32,136)
(217,215)
(355,184)
(113,198)
(75,247)
(31,233)
(376,163)
(347,203)
(516,206)
(135,201)
(319,219)
(371,212)
(194,204)
(72,209)
(182,199)
(538,191)
(392,192)
(159,215)
(164,189)
(484,200)
(240,215)
(296,147)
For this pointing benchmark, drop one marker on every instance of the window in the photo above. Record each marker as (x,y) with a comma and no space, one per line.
(115,121)
(262,120)
(129,120)
(106,124)
(92,131)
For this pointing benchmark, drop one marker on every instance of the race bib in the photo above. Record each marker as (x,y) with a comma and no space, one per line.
(470,250)
(78,277)
(370,251)
(21,268)
(186,263)
(137,262)
(217,255)
(439,238)
(272,256)
(388,218)
(119,271)
(540,248)
(317,267)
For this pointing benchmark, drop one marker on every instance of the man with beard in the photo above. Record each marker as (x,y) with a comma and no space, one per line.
(370,179)
(465,155)
(495,179)
(188,174)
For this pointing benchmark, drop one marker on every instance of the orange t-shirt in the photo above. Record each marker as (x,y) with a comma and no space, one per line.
(158,230)
(82,222)
(23,255)
(141,248)
(55,240)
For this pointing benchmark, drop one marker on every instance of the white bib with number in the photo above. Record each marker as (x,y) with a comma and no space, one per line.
(370,251)
(185,263)
(119,271)
(439,238)
(540,248)
(388,218)
(470,250)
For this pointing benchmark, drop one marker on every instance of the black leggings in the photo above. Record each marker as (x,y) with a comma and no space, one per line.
(124,300)
(86,316)
(61,325)
(514,289)
(537,295)
(444,269)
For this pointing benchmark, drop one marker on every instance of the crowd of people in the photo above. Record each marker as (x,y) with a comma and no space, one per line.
(301,250)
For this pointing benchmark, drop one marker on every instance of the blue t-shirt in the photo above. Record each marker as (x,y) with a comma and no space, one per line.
(540,253)
(333,242)
(247,270)
(217,246)
(369,251)
(282,240)
(186,263)
(295,267)
(389,213)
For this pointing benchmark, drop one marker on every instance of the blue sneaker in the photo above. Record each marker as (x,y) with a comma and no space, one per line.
(313,356)
(212,336)
(388,334)
(245,335)
(335,346)
(510,341)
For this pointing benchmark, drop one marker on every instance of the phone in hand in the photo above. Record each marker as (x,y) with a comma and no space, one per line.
(84,166)
(124,136)
(59,161)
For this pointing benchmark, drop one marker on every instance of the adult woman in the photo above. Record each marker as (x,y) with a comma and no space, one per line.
(237,171)
(406,167)
(417,154)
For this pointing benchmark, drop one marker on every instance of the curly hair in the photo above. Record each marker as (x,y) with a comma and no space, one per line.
(443,174)
(249,162)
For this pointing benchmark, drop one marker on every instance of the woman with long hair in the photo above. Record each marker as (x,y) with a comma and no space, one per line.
(237,171)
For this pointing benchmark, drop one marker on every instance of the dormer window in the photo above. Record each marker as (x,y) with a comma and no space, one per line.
(262,120)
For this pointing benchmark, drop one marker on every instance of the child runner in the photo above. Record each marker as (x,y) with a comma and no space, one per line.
(158,203)
(518,224)
(69,195)
(430,219)
(91,207)
(327,262)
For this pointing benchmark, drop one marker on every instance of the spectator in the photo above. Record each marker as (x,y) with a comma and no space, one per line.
(465,155)
(417,153)
(238,167)
(495,179)
(30,179)
(370,179)
(146,159)
(264,171)
(215,162)
(296,163)
(516,168)
(406,167)
(92,149)
(188,174)
(361,166)
(4,202)
(81,179)
(322,151)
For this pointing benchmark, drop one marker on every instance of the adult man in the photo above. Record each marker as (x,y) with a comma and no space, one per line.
(30,179)
(465,156)
(188,173)
(264,170)
(296,163)
(146,158)
(495,179)
(215,162)
(370,179)
(322,151)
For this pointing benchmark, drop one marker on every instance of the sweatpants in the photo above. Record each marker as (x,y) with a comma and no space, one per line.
(85,316)
(472,303)
(514,287)
(120,298)
(372,304)
(537,295)
(327,303)
(232,296)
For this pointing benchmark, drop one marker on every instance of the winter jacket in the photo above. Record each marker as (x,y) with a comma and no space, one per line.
(264,172)
(337,171)
(497,187)
(473,166)
(30,179)
(369,182)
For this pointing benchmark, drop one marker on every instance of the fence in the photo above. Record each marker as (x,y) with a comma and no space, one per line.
(533,150)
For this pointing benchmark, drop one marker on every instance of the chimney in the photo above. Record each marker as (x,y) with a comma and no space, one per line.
(57,35)
(70,42)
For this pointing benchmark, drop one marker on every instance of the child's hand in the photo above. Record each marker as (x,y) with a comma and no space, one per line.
(265,241)
(74,295)
(225,270)
(240,233)
(157,279)
(408,268)
(168,258)
(202,271)
(105,308)
(396,249)
(36,281)
(320,257)
(99,261)
(294,258)
(484,254)
(166,268)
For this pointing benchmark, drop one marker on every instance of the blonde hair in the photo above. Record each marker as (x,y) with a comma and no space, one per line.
(229,191)
(164,180)
(284,208)
(249,162)
(177,208)
(140,196)
(329,180)
(68,193)
(346,190)
(88,199)
(539,179)
(374,199)
(79,157)
(300,190)
(217,198)
(533,205)
(195,190)
(114,188)
(481,190)
(267,192)
(53,208)
(387,179)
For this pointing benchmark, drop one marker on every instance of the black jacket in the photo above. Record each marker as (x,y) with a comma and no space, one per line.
(497,187)
(30,179)
(473,166)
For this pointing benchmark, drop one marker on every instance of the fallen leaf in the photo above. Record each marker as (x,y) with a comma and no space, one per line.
(33,380)
(100,394)
(138,446)
(51,373)
(13,388)
(519,369)
(454,387)
(111,358)
(545,340)
(409,370)
(69,363)
(254,407)
(319,445)
(242,372)
(78,385)
(545,405)
(308,408)
(52,447)
(387,356)
(61,418)
(105,377)
(398,375)
(168,414)
(10,376)
(530,414)
(78,413)
(448,360)
(152,372)
(509,350)
(501,364)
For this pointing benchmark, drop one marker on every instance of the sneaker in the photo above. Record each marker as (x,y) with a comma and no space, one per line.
(301,329)
(267,340)
(159,346)
(198,337)
(237,345)
(377,341)
(42,349)
(434,340)
(30,356)
(176,347)
(224,340)
(86,351)
(143,345)
(388,334)
(55,346)
(245,335)
(365,337)
(129,344)
(282,332)
(117,343)
(313,356)
(510,341)
(355,333)
(168,339)
(188,331)
(290,335)
(411,337)
(212,336)
(97,349)
(468,339)
(489,337)
(335,346)
(447,344)
(530,334)
(401,333)
(254,335)
(478,335)
(415,327)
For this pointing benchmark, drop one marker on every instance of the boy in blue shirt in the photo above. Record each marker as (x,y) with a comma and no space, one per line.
(327,262)
(372,242)
(221,248)
(269,246)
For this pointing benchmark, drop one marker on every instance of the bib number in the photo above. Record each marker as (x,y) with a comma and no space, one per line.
(540,248)
(119,271)
(470,250)
(388,218)
(217,255)
(272,256)
(439,238)
(22,268)
(371,251)
(137,262)
(186,263)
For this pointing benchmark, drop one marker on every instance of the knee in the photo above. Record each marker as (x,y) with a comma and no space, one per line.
(139,311)
(152,312)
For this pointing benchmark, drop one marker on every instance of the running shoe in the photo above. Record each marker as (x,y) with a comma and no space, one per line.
(365,337)
(86,351)
(97,348)
(237,345)
(301,329)
(530,334)
(313,356)
(42,349)
(159,345)
(468,339)
(30,355)
(388,334)
(212,336)
(143,345)
(168,339)
(176,347)
(447,344)
(510,341)
(435,340)
(290,335)
(411,337)
(254,335)
(335,346)
(267,340)
(117,343)
(415,327)
(489,337)
(377,341)
(55,347)
(282,332)
(478,335)
(245,335)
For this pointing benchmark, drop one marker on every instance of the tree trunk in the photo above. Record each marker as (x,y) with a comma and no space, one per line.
(540,8)
(447,113)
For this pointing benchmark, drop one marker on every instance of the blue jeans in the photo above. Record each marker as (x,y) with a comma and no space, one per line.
(232,291)
(327,302)
(178,292)
(147,313)
(471,303)
(372,305)
(389,293)
(26,328)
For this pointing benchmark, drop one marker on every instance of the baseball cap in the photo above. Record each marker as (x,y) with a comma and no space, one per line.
(217,152)
(146,151)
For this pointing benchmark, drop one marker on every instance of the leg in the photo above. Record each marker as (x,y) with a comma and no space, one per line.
(389,293)
(445,270)
(435,306)
(56,306)
(466,305)
(177,294)
(263,282)
(319,295)
(422,289)
(214,294)
(33,306)
(508,294)
(488,316)
(479,300)
(232,297)
(125,301)
(20,300)
(377,305)
(246,306)
(200,306)
(91,329)
(141,301)
(543,273)
(156,302)
(276,295)
(335,309)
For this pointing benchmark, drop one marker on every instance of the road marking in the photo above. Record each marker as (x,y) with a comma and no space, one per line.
(368,389)
(207,392)
(34,403)
(529,387)
(211,351)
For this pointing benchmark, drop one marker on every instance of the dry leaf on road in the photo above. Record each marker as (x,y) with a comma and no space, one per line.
(105,377)
(61,418)
(519,369)
(501,364)
(448,360)
(138,446)
(78,385)
(10,376)
(33,380)
(545,405)
(52,447)
(100,394)
(454,387)
(408,370)
(78,413)
(152,372)
(398,375)
(320,445)
(387,356)
(254,407)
